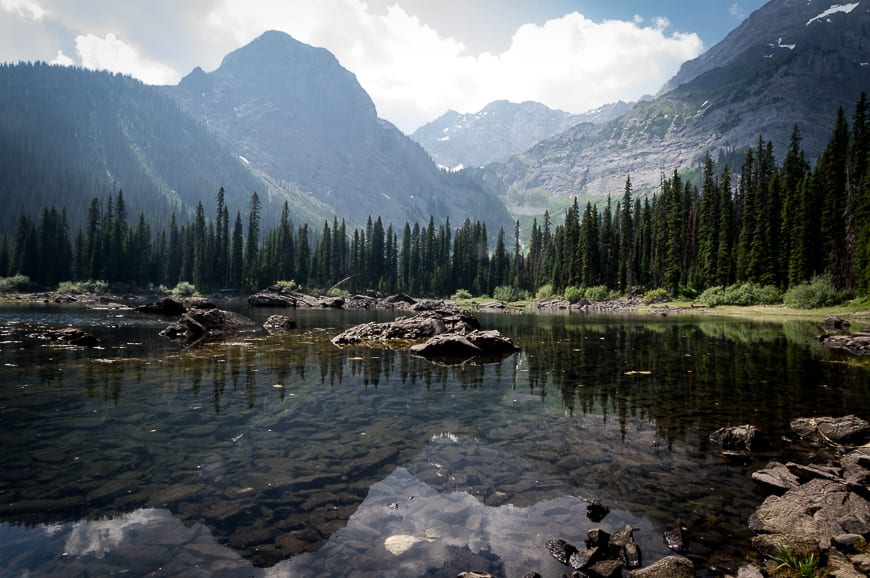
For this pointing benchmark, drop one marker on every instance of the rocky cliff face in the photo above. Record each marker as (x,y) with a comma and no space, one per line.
(791,62)
(294,113)
(499,130)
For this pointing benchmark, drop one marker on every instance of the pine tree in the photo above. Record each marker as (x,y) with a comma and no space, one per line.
(252,242)
(627,269)
(709,220)
(832,171)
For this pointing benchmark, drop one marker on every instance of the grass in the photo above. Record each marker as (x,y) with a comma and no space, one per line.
(802,566)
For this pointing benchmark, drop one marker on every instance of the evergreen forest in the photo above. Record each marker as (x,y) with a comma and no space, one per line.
(776,224)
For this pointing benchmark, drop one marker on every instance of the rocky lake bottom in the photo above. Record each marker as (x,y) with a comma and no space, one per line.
(283,455)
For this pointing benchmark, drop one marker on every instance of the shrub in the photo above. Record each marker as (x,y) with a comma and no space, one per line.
(15,283)
(658,295)
(819,292)
(713,297)
(574,293)
(508,294)
(290,285)
(184,289)
(461,295)
(742,294)
(544,292)
(337,292)
(80,287)
(598,293)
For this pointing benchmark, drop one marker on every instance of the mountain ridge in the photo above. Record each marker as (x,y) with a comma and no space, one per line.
(324,135)
(761,89)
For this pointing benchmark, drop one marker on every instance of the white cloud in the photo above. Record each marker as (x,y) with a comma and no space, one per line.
(62,59)
(113,54)
(414,75)
(24,8)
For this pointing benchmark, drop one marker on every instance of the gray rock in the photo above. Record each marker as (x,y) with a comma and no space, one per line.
(278,324)
(674,539)
(206,320)
(477,344)
(416,328)
(847,430)
(813,510)
(854,343)
(73,336)
(668,567)
(839,566)
(560,550)
(775,477)
(850,543)
(749,571)
(165,306)
(772,545)
(740,438)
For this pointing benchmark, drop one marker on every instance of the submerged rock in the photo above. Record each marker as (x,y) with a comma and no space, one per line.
(73,336)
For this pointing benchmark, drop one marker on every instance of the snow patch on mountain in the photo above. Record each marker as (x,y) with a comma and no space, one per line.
(834,9)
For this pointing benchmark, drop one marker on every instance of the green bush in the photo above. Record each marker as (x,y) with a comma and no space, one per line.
(337,292)
(290,285)
(598,293)
(184,289)
(508,294)
(15,283)
(81,287)
(544,292)
(574,293)
(658,295)
(742,294)
(819,292)
(461,295)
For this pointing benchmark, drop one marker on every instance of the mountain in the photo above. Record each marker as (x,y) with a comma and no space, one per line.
(68,135)
(499,130)
(293,112)
(790,62)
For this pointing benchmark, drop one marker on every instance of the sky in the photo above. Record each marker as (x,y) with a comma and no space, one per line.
(416,58)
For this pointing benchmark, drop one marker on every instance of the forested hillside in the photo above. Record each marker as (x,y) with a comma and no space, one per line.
(68,135)
(773,225)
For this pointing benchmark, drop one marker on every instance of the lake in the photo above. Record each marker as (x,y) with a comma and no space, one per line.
(287,456)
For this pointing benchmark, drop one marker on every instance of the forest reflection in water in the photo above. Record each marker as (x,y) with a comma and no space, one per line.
(275,442)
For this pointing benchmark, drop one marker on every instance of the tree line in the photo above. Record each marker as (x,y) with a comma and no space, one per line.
(770,224)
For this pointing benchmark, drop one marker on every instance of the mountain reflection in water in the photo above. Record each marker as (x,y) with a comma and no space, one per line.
(286,452)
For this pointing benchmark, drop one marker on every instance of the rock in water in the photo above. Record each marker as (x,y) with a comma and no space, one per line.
(846,430)
(740,438)
(561,550)
(206,320)
(668,567)
(278,324)
(166,306)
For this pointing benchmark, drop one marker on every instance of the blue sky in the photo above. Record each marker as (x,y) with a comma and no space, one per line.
(415,58)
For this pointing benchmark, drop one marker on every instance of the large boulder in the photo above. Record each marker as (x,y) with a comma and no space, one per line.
(272,297)
(854,343)
(166,306)
(738,438)
(846,430)
(455,346)
(417,328)
(819,509)
(206,320)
